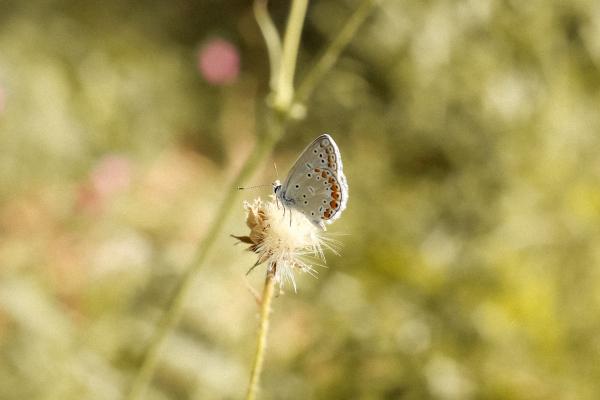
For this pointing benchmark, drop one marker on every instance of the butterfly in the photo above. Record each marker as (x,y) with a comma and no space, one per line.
(316,185)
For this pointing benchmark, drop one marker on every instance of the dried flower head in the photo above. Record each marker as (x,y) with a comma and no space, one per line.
(284,239)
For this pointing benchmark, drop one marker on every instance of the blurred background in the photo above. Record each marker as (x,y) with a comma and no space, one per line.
(470,245)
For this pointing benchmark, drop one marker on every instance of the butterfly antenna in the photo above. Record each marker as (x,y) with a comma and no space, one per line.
(276,172)
(251,187)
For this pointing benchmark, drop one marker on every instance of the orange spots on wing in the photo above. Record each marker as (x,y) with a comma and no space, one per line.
(336,195)
(324,174)
(331,161)
(334,204)
(317,170)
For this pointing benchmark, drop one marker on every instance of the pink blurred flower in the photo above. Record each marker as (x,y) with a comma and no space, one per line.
(111,175)
(219,62)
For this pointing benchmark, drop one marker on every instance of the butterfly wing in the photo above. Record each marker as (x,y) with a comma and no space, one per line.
(316,185)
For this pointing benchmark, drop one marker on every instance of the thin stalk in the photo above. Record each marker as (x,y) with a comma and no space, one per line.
(284,93)
(271,37)
(276,124)
(261,344)
(333,51)
(175,308)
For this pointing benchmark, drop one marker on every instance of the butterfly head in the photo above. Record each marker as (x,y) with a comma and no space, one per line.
(276,186)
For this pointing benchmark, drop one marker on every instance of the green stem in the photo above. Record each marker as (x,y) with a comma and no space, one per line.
(291,42)
(175,308)
(261,345)
(333,51)
(272,40)
(276,122)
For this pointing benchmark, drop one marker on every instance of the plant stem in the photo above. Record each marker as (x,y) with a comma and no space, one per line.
(261,345)
(272,40)
(175,308)
(333,51)
(284,93)
(275,127)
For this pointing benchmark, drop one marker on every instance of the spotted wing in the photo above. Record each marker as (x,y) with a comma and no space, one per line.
(316,185)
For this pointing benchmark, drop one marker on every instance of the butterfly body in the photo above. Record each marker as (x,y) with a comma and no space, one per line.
(316,185)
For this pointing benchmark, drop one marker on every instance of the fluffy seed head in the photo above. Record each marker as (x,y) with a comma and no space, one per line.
(284,239)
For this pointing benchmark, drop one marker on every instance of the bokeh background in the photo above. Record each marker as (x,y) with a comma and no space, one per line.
(469,131)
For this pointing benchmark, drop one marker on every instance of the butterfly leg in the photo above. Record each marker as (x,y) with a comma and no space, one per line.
(290,218)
